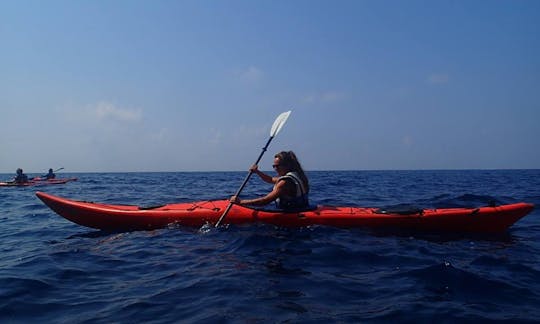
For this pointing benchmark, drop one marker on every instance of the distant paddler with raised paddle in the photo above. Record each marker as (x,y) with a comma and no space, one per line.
(49,176)
(276,127)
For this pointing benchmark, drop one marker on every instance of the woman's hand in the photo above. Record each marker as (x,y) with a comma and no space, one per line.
(234,200)
(254,168)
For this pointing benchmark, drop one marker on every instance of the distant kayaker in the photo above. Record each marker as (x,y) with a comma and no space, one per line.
(50,175)
(291,186)
(20,177)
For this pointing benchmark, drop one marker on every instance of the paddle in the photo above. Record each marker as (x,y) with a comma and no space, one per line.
(276,127)
(44,176)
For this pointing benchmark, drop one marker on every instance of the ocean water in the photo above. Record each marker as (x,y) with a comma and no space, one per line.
(55,271)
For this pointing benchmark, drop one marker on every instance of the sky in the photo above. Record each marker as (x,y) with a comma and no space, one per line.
(113,86)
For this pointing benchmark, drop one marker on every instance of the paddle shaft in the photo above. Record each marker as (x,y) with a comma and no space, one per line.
(244,183)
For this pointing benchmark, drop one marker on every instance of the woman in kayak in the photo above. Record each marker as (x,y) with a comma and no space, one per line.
(20,177)
(291,186)
(50,175)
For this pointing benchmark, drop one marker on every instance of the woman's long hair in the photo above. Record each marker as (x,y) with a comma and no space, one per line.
(290,161)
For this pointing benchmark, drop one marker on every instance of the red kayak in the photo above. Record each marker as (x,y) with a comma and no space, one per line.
(197,214)
(37,182)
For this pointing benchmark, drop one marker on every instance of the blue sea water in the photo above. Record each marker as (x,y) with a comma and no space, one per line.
(55,271)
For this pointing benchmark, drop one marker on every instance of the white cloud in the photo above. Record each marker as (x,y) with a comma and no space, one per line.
(100,115)
(332,96)
(243,131)
(251,75)
(106,110)
(160,135)
(214,136)
(440,78)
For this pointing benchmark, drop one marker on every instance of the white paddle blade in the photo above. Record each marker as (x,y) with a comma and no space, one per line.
(279,122)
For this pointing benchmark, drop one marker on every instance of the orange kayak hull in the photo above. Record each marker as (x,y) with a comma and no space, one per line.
(196,214)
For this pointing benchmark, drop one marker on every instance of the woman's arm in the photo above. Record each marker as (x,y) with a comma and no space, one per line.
(271,196)
(265,177)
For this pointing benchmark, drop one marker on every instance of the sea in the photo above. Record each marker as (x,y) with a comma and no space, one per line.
(54,271)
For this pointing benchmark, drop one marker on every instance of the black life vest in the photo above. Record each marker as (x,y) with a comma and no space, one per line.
(299,200)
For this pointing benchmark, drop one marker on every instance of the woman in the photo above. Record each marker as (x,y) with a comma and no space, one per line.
(20,176)
(50,175)
(291,186)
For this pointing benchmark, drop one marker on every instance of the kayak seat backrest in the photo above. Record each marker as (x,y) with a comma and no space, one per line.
(150,207)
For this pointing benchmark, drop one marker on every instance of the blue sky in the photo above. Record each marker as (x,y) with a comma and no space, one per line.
(196,85)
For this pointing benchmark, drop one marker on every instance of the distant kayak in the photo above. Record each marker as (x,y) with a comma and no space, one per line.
(196,214)
(37,182)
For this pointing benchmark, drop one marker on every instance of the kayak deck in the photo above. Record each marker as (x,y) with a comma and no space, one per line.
(196,214)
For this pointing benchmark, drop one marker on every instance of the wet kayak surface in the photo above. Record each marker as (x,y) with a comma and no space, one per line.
(56,271)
